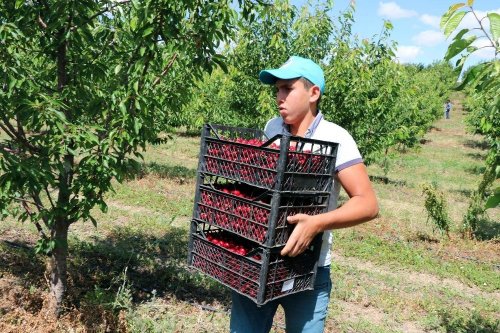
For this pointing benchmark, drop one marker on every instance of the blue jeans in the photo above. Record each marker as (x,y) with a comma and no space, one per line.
(305,312)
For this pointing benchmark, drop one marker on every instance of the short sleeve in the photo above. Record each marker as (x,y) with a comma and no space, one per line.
(348,153)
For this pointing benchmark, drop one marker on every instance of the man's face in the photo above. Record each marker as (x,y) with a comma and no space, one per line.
(293,100)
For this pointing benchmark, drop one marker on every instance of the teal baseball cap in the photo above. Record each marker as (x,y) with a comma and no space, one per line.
(295,67)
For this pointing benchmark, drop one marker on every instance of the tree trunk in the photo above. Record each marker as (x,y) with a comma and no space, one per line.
(56,268)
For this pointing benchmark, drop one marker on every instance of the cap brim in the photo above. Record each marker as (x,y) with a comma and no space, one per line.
(270,76)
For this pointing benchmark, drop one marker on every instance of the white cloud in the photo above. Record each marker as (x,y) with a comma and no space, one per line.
(428,38)
(408,53)
(433,21)
(469,21)
(483,53)
(392,10)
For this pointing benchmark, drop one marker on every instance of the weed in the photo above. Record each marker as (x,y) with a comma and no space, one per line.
(476,212)
(123,297)
(472,322)
(435,204)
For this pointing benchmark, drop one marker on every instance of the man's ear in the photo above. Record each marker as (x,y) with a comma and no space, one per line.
(315,93)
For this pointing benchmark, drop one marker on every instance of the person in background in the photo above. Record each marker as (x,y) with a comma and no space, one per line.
(300,84)
(447,109)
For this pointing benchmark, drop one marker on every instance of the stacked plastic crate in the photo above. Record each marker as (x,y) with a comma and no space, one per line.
(247,184)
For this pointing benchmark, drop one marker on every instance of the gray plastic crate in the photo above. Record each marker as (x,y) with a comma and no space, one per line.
(297,165)
(261,275)
(260,218)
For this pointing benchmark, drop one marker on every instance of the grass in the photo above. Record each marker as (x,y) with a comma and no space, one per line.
(394,274)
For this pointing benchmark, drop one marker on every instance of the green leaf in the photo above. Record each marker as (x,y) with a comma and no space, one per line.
(103,207)
(118,69)
(45,246)
(446,17)
(60,115)
(12,83)
(94,222)
(90,137)
(137,125)
(461,34)
(460,64)
(494,200)
(473,74)
(123,108)
(470,3)
(147,31)
(495,26)
(72,151)
(458,46)
(472,48)
(453,23)
(133,23)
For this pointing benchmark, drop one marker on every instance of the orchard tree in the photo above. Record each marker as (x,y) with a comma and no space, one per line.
(237,97)
(483,80)
(85,85)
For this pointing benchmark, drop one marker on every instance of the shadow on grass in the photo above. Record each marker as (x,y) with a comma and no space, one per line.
(162,171)
(424,141)
(386,180)
(464,192)
(19,259)
(476,144)
(477,156)
(154,265)
(190,133)
(434,128)
(487,230)
(148,266)
(476,170)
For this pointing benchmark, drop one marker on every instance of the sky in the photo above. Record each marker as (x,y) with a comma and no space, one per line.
(416,25)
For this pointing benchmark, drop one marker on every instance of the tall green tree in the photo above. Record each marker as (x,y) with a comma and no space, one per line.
(84,86)
(483,80)
(237,97)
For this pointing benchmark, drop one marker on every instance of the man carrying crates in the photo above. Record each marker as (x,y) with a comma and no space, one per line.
(300,83)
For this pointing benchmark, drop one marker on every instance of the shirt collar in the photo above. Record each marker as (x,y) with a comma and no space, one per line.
(312,128)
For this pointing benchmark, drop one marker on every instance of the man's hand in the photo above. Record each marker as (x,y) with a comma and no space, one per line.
(302,235)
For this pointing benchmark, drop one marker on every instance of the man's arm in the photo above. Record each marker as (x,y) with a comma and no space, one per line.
(362,206)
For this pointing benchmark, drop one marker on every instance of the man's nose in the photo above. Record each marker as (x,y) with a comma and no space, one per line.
(280,96)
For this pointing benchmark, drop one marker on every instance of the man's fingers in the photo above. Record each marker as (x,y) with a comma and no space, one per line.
(289,246)
(291,249)
(293,219)
(285,250)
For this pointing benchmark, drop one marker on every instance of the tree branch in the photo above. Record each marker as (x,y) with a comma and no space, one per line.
(49,196)
(39,205)
(24,203)
(482,27)
(15,135)
(8,150)
(41,23)
(7,131)
(165,70)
